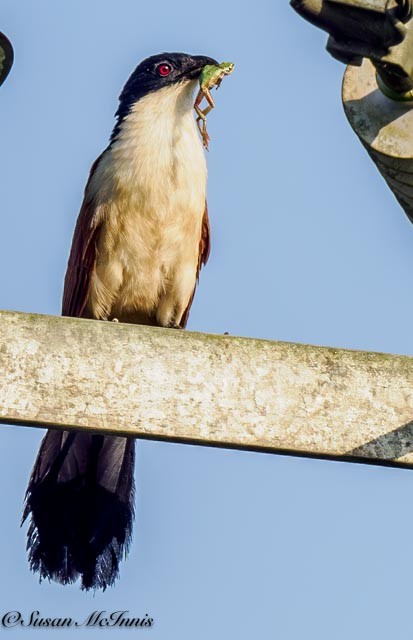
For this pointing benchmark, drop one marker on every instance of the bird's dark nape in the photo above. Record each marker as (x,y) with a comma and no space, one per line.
(80,501)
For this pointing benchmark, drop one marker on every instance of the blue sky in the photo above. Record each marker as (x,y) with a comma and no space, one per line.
(309,245)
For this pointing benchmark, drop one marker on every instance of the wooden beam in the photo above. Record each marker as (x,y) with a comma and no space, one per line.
(207,389)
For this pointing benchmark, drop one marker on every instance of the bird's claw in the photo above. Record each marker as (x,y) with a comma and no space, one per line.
(203,131)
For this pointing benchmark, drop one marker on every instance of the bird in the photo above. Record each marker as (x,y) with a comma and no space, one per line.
(141,238)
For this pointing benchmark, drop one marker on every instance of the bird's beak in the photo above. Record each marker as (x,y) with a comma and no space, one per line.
(195,66)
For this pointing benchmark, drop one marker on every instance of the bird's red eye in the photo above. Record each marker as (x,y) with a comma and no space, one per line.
(164,69)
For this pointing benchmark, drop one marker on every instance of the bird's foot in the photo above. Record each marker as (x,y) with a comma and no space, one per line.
(174,325)
(205,137)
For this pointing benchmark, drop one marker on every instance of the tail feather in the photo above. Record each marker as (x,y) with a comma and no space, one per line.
(80,501)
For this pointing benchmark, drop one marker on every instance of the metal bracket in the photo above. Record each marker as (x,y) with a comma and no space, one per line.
(6,57)
(381,30)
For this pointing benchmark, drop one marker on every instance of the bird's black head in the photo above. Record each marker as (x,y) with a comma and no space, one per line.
(155,73)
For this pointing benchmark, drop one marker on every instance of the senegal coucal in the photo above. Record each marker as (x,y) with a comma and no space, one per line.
(140,240)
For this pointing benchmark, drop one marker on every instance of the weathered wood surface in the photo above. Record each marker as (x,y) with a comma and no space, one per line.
(208,389)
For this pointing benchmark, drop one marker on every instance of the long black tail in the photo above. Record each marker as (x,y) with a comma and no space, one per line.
(80,500)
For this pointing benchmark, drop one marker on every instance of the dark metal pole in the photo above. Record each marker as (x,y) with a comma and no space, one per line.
(6,57)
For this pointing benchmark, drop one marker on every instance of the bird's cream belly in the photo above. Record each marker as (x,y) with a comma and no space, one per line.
(146,266)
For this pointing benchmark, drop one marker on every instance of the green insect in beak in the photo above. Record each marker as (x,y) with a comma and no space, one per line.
(211,76)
